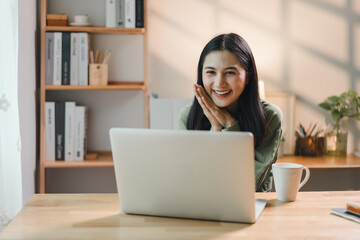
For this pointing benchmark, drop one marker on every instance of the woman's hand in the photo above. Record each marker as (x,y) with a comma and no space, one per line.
(219,118)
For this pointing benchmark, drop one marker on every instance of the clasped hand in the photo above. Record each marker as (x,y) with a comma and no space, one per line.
(219,118)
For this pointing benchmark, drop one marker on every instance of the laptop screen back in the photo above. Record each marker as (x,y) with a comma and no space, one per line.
(188,174)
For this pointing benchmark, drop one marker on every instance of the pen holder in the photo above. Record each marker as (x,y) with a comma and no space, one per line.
(98,74)
(310,146)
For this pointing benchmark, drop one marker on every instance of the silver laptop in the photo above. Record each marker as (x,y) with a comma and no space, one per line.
(186,174)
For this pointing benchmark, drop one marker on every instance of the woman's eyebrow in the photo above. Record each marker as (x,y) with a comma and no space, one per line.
(229,68)
(209,67)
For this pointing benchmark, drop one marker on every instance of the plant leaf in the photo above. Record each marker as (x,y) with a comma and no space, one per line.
(334,99)
(351,93)
(353,102)
(325,106)
(358,116)
(344,112)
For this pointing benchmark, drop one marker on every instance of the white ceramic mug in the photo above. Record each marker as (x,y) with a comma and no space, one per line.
(287,178)
(81,19)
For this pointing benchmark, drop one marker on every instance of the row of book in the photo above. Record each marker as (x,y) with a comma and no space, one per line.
(125,13)
(67,58)
(65,131)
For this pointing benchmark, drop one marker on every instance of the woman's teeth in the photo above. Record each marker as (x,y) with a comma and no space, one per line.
(222,92)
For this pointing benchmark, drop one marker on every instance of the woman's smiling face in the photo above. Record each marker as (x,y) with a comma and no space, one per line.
(224,78)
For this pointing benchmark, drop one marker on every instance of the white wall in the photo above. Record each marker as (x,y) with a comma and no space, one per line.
(307,47)
(27,87)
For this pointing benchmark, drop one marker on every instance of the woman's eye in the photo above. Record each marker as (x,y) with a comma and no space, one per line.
(230,73)
(210,72)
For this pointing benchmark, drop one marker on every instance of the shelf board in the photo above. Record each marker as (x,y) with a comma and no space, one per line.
(324,162)
(104,159)
(95,29)
(110,86)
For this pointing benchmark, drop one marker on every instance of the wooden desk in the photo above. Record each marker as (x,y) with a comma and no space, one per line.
(324,162)
(97,216)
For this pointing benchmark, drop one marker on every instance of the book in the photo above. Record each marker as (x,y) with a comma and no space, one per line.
(84,42)
(342,212)
(69,131)
(59,130)
(139,14)
(111,13)
(120,13)
(74,59)
(65,59)
(49,59)
(50,131)
(57,58)
(353,207)
(129,14)
(80,133)
(85,129)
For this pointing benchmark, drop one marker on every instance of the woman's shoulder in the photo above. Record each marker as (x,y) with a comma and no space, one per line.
(185,110)
(273,113)
(183,116)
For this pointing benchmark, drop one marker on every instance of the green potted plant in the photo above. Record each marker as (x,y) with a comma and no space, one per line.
(342,107)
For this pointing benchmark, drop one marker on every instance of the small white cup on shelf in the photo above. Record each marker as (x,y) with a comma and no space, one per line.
(81,19)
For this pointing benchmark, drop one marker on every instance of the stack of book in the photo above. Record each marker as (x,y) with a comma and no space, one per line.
(65,131)
(351,212)
(125,13)
(67,58)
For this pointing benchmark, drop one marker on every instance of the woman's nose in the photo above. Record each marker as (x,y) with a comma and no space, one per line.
(220,81)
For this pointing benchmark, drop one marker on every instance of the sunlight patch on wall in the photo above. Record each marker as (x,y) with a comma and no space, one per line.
(267,47)
(306,115)
(337,3)
(177,49)
(316,79)
(319,30)
(173,59)
(357,46)
(356,6)
(263,13)
(198,21)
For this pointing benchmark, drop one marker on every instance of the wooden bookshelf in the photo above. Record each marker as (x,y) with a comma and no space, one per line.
(110,86)
(103,30)
(104,158)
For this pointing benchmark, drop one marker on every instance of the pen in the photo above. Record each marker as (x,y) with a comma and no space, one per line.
(97,56)
(91,56)
(106,57)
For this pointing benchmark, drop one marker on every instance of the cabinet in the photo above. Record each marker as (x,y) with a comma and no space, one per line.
(86,94)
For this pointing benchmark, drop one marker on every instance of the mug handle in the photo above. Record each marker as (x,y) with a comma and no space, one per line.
(307,176)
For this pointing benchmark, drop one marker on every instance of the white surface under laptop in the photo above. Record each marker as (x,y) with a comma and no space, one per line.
(186,174)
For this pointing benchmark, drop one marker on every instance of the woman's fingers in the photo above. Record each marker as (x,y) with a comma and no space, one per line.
(213,121)
(210,105)
(206,96)
(207,100)
(224,118)
(206,111)
(202,104)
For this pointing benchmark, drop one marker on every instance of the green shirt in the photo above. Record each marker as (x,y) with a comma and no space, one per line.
(267,152)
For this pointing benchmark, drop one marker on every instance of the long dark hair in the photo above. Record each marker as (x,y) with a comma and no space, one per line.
(250,116)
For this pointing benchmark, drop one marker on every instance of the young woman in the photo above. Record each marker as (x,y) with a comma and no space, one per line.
(227,99)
